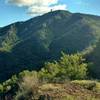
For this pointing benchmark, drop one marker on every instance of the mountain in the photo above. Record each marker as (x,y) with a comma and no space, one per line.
(26,45)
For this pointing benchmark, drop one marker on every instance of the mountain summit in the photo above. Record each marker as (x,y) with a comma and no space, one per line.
(26,45)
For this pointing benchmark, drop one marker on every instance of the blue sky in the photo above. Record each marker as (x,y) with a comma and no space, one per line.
(12,11)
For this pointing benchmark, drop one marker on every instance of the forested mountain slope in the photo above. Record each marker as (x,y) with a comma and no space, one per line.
(26,45)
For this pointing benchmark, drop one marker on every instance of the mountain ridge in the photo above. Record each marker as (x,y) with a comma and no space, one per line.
(26,45)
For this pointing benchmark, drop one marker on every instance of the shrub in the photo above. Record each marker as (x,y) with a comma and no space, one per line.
(28,85)
(68,67)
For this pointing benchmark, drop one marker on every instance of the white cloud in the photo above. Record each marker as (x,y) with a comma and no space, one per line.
(20,2)
(44,9)
(36,7)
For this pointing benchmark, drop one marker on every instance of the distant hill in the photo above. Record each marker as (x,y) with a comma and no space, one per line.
(26,45)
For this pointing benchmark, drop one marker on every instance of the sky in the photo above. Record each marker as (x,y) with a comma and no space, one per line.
(20,10)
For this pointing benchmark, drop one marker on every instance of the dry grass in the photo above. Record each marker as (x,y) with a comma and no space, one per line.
(94,85)
(69,91)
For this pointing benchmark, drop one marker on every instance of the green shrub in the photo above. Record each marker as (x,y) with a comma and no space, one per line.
(68,67)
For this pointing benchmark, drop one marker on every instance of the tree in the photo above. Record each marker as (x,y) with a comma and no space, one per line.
(73,66)
(49,71)
(68,67)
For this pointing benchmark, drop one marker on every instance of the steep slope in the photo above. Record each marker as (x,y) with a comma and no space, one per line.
(26,45)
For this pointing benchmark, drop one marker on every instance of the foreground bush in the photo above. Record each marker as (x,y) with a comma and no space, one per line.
(28,85)
(68,67)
